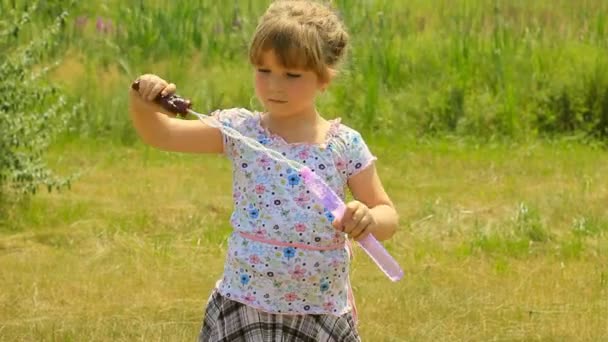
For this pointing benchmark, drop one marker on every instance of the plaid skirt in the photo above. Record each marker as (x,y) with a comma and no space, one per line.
(227,320)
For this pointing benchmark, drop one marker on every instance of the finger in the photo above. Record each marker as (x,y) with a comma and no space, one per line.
(169,89)
(337,224)
(363,234)
(150,83)
(141,81)
(359,214)
(156,89)
(348,226)
(359,227)
(145,87)
(362,231)
(347,218)
(355,219)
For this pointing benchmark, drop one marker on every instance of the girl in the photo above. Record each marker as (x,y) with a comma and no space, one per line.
(286,270)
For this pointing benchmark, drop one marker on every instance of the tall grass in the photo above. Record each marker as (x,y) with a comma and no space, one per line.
(484,69)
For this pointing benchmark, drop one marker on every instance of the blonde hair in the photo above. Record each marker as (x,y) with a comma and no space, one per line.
(303,34)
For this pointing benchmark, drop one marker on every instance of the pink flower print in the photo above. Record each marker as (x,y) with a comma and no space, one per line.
(337,238)
(303,154)
(260,232)
(291,296)
(259,189)
(341,165)
(298,273)
(264,161)
(335,263)
(300,227)
(254,259)
(302,199)
(249,298)
(328,306)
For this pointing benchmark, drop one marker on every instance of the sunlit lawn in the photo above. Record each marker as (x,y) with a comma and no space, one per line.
(498,243)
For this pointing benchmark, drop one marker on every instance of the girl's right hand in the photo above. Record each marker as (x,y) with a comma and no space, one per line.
(150,86)
(156,126)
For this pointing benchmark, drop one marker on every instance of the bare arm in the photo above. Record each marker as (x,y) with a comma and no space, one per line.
(161,129)
(372,211)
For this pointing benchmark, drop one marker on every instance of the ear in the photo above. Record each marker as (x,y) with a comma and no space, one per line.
(323,84)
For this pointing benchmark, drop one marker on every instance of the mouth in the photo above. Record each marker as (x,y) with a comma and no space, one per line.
(276,101)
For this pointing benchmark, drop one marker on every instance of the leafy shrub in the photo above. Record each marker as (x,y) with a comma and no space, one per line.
(32,110)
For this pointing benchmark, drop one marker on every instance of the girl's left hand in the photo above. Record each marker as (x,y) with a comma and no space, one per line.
(357,221)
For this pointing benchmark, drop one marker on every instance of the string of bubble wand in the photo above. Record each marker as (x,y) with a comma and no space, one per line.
(331,201)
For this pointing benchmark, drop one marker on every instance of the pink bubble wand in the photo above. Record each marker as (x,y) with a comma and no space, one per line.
(336,206)
(330,200)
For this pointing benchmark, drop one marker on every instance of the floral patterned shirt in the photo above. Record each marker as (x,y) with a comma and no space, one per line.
(284,256)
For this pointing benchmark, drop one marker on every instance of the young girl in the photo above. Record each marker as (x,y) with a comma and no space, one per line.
(286,271)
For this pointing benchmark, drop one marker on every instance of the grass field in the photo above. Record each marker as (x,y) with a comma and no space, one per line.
(489,119)
(498,243)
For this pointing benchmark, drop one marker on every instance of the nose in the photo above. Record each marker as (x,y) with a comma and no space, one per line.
(275,83)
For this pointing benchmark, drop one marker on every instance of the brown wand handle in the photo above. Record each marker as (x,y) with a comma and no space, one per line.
(173,103)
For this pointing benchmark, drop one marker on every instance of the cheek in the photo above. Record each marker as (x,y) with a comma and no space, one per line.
(302,89)
(260,83)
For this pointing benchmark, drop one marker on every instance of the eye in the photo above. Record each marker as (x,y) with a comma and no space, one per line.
(292,75)
(264,71)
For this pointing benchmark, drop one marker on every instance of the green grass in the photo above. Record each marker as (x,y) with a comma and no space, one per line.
(483,69)
(498,243)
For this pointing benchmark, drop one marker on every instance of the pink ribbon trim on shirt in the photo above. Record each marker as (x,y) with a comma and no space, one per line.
(288,244)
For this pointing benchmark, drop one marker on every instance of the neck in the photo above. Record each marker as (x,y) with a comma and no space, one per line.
(308,118)
(307,126)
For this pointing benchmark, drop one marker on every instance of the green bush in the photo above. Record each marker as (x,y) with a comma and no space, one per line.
(32,110)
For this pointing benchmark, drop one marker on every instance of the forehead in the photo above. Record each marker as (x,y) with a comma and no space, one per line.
(269,58)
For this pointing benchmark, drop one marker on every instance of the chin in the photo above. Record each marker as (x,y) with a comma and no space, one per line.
(279,110)
(279,113)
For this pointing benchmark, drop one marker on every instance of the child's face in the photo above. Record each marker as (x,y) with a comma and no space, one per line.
(284,91)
